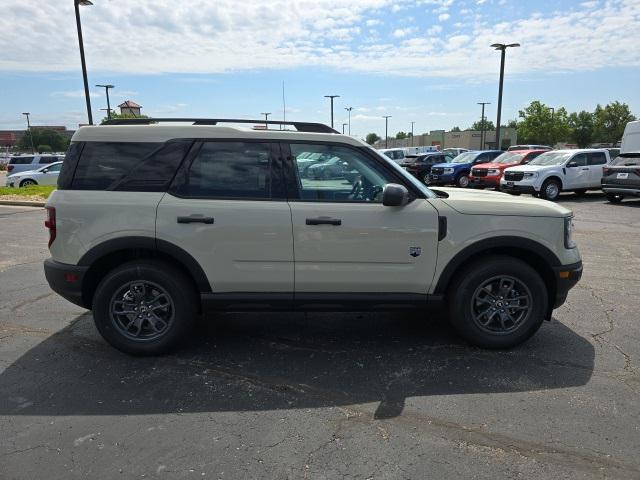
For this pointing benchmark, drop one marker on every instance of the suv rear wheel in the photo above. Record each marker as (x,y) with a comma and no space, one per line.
(498,302)
(614,197)
(145,307)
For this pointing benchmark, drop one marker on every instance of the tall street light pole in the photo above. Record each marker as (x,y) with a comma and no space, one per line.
(386,130)
(348,109)
(503,48)
(266,119)
(106,91)
(33,149)
(412,133)
(482,125)
(344,125)
(76,4)
(331,97)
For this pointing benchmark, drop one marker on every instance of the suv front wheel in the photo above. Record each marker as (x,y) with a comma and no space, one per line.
(498,302)
(145,307)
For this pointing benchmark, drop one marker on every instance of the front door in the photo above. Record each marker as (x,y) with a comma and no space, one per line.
(576,176)
(345,240)
(227,209)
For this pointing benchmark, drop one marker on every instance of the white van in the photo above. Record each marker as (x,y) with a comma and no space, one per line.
(631,138)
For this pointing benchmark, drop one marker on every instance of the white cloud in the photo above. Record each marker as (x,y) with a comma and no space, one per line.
(74,94)
(444,17)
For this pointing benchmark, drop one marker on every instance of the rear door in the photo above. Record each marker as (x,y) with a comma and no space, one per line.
(596,162)
(346,241)
(227,209)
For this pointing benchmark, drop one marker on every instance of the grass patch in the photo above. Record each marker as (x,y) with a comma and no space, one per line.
(34,192)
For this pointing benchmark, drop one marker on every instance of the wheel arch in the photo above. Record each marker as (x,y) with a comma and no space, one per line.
(108,255)
(553,177)
(35,182)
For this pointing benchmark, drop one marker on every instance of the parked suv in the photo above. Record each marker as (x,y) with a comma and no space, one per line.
(489,174)
(420,165)
(22,163)
(154,224)
(557,171)
(457,171)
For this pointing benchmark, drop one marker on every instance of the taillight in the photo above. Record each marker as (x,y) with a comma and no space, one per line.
(9,168)
(50,223)
(637,171)
(606,171)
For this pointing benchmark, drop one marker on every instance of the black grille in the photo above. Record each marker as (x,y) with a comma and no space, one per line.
(513,176)
(437,170)
(479,172)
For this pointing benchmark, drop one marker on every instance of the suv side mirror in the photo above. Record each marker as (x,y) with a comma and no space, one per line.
(395,195)
(572,164)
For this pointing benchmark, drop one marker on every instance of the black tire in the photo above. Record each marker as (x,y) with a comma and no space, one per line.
(614,197)
(27,182)
(464,304)
(179,316)
(462,180)
(551,189)
(580,192)
(425,179)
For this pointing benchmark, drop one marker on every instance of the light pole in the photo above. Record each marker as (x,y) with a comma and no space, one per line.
(482,125)
(106,91)
(33,149)
(76,4)
(344,125)
(412,133)
(503,48)
(331,97)
(348,109)
(386,130)
(553,111)
(266,119)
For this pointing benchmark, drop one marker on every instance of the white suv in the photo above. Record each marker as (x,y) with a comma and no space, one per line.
(557,171)
(154,224)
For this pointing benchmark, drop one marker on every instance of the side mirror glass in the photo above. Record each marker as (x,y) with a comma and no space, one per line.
(572,164)
(395,195)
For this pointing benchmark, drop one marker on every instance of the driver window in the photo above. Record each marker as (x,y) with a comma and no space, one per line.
(580,159)
(329,173)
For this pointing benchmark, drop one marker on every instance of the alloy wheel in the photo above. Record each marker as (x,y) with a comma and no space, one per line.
(501,305)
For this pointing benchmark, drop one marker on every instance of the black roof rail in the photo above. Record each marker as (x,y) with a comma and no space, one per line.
(299,126)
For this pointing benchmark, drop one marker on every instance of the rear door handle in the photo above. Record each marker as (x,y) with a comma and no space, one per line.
(324,221)
(196,219)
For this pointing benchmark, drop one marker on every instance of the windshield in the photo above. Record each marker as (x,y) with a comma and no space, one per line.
(551,158)
(627,160)
(508,157)
(466,157)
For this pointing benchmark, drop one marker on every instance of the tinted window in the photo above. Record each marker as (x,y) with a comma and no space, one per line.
(46,160)
(20,160)
(102,165)
(597,158)
(229,170)
(69,166)
(349,175)
(580,159)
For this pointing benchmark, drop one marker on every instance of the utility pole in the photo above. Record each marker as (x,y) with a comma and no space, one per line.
(33,148)
(331,97)
(106,90)
(483,126)
(266,119)
(412,133)
(348,109)
(84,3)
(502,48)
(386,130)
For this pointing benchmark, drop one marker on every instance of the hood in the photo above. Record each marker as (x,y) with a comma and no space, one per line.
(486,202)
(532,168)
(26,172)
(448,165)
(500,166)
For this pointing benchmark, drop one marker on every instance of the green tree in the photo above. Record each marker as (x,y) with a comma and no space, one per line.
(44,149)
(582,131)
(401,135)
(56,141)
(115,116)
(512,123)
(487,124)
(372,138)
(540,125)
(456,129)
(609,121)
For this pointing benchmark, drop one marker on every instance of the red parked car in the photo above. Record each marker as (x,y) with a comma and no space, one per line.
(488,174)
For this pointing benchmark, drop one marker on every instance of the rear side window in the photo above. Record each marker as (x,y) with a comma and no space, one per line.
(20,160)
(104,164)
(597,158)
(47,160)
(69,166)
(229,170)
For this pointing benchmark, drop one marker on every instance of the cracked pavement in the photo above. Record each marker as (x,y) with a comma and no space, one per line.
(326,395)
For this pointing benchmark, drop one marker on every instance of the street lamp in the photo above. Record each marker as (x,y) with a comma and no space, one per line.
(331,97)
(266,119)
(503,48)
(553,111)
(386,130)
(412,133)
(482,125)
(348,109)
(106,90)
(344,125)
(76,4)
(33,149)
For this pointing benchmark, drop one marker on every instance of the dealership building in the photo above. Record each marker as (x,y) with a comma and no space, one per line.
(469,139)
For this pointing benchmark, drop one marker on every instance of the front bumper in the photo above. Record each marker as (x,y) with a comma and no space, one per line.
(66,280)
(441,179)
(491,182)
(515,188)
(566,276)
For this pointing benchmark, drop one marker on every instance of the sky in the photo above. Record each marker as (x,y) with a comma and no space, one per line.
(422,61)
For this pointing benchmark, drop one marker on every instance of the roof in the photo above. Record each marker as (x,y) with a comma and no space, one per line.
(163,133)
(129,104)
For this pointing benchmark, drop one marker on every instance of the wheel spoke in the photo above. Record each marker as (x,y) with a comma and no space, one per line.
(500,304)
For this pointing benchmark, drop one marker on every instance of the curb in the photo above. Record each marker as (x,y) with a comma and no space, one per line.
(18,203)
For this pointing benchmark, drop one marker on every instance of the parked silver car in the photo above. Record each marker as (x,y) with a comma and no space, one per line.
(47,175)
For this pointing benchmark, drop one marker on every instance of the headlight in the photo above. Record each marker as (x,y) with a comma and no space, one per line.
(568,232)
(530,174)
(448,170)
(493,171)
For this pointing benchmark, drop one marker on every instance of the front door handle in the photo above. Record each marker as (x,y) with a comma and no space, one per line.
(585,168)
(324,221)
(196,219)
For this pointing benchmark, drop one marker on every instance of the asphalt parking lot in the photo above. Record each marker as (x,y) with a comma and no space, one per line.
(318,396)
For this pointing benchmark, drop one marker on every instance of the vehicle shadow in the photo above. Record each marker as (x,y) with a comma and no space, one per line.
(240,362)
